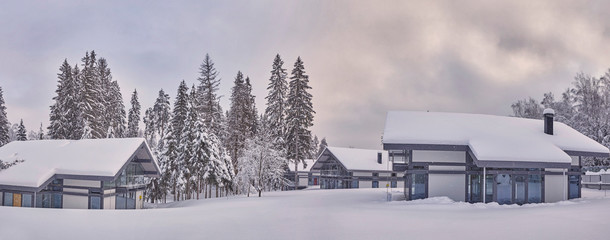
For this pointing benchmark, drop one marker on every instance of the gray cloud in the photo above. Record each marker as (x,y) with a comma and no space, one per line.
(363,58)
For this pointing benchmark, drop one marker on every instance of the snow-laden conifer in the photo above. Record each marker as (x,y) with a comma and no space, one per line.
(299,116)
(276,100)
(134,116)
(21,132)
(4,124)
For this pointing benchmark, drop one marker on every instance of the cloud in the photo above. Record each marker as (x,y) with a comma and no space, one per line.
(363,58)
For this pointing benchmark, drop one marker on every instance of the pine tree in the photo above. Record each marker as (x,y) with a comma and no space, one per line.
(180,111)
(40,133)
(21,132)
(276,101)
(116,111)
(134,116)
(91,98)
(299,115)
(208,102)
(251,114)
(4,124)
(58,128)
(238,128)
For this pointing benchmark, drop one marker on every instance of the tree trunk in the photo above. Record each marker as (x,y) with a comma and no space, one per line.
(216,187)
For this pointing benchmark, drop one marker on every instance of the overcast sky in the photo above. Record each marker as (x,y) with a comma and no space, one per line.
(362,58)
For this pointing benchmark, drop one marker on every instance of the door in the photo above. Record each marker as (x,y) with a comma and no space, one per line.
(16,200)
(315,181)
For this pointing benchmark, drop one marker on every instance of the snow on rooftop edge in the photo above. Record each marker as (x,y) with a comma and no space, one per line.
(45,158)
(490,137)
(361,159)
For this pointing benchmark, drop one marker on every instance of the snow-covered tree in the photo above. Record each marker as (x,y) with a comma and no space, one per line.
(276,101)
(180,110)
(207,98)
(21,132)
(299,116)
(4,124)
(92,101)
(236,118)
(527,108)
(261,165)
(133,127)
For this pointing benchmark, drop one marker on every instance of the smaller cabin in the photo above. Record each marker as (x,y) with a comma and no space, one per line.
(81,174)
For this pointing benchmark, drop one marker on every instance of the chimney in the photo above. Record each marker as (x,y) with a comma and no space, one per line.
(379,158)
(548,114)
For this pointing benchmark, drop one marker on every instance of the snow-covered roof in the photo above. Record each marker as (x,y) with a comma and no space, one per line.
(355,159)
(42,159)
(308,162)
(489,137)
(602,171)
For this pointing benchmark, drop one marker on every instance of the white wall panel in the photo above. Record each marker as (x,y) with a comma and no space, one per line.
(555,188)
(82,183)
(75,202)
(439,156)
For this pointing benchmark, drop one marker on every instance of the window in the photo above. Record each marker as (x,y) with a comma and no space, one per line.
(95,202)
(375,174)
(393,174)
(418,186)
(534,189)
(504,188)
(375,184)
(573,186)
(8,199)
(394,184)
(26,200)
(56,200)
(355,184)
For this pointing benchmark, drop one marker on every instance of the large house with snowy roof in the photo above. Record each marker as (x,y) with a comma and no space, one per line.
(357,168)
(485,158)
(82,174)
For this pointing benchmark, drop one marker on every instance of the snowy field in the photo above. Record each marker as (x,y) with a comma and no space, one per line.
(319,214)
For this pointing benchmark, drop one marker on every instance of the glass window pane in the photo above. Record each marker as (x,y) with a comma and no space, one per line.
(355,184)
(474,188)
(489,188)
(95,202)
(418,188)
(8,199)
(26,200)
(519,189)
(56,200)
(375,184)
(46,200)
(534,189)
(505,188)
(573,186)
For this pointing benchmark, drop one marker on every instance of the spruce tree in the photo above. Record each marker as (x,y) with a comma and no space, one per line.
(236,117)
(92,102)
(299,115)
(59,127)
(4,124)
(276,100)
(21,132)
(180,111)
(134,116)
(207,98)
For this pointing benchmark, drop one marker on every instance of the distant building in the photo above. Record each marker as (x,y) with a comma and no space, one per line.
(485,158)
(341,168)
(84,174)
(597,180)
(307,177)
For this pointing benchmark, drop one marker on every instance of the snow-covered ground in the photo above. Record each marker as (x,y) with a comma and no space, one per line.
(318,214)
